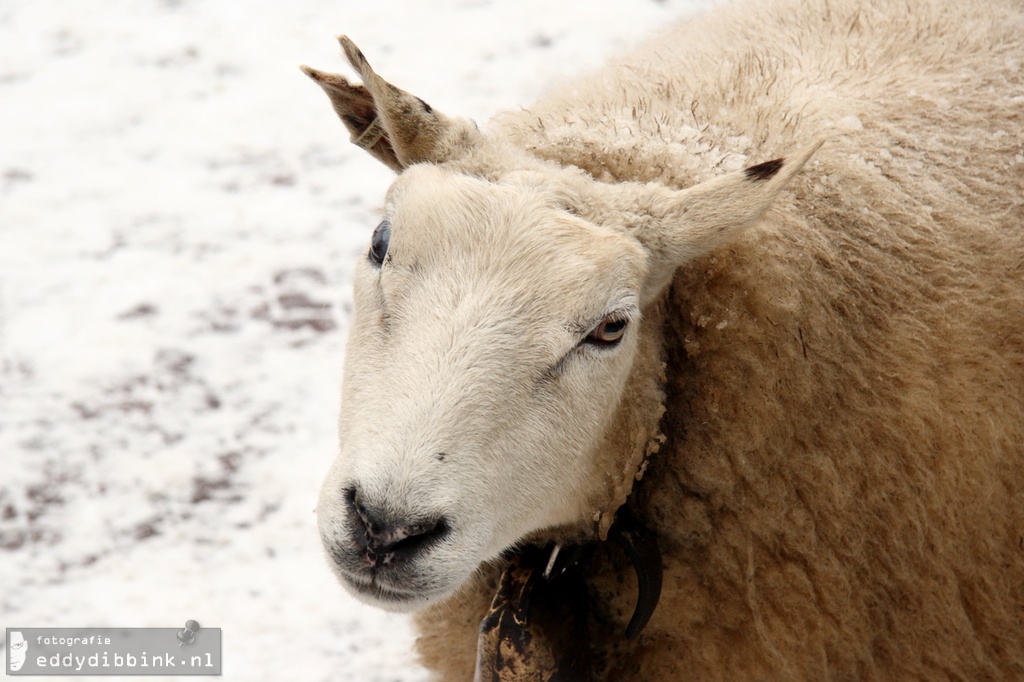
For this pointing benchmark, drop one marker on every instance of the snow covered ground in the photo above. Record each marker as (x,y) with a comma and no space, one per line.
(179,212)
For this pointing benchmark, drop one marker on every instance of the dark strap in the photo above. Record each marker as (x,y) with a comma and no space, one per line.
(536,626)
(641,546)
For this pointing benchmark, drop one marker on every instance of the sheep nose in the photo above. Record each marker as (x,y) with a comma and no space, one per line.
(384,540)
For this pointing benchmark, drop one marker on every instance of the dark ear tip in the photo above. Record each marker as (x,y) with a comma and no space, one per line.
(764,171)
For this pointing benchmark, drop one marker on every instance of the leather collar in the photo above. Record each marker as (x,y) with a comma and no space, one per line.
(536,627)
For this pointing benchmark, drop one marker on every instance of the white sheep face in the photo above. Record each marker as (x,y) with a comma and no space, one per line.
(493,334)
(484,362)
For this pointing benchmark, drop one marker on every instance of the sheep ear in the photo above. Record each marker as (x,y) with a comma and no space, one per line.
(677,226)
(692,222)
(396,127)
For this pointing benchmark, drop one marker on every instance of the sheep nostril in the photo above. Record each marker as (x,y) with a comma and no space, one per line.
(411,538)
(355,509)
(383,540)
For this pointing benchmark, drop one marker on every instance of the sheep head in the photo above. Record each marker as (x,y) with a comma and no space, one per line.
(498,314)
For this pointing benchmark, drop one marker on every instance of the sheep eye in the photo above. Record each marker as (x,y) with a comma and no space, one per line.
(379,243)
(608,333)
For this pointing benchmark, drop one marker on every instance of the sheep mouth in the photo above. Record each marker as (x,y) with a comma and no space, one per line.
(381,593)
(387,597)
(381,584)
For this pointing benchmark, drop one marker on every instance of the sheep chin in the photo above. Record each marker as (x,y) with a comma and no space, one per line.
(384,598)
(396,600)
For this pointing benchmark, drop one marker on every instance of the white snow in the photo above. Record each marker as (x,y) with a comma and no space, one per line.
(179,211)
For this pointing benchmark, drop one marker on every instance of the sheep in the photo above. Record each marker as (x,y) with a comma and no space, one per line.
(800,369)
